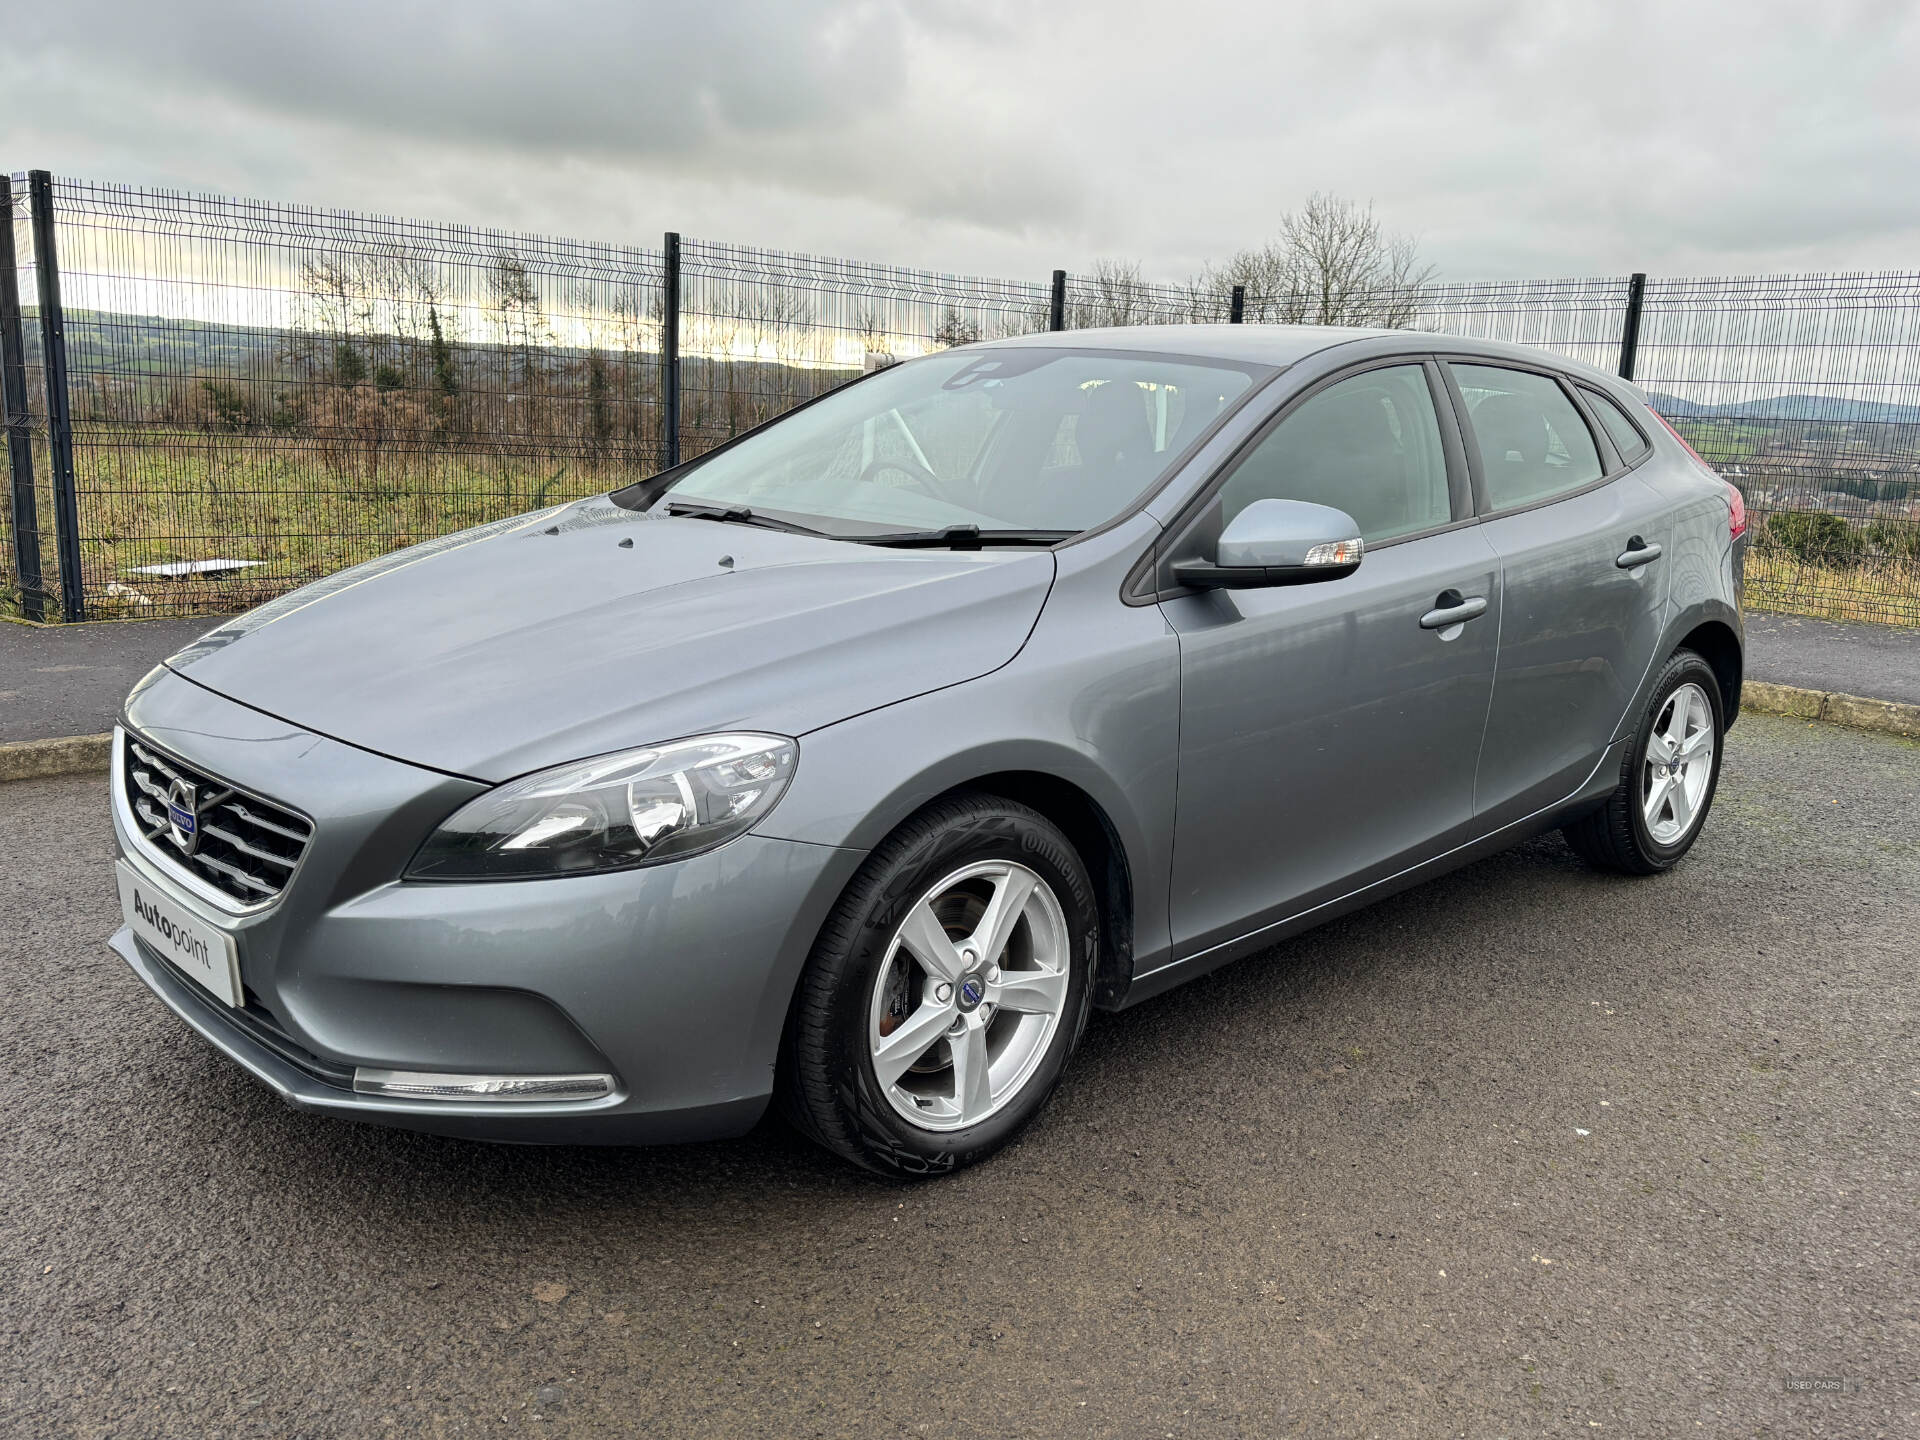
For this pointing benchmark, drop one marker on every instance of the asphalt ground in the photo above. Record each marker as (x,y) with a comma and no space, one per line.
(1881,662)
(1527,1151)
(70,679)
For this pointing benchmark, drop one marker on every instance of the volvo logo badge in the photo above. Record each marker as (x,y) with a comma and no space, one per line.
(183,816)
(972,990)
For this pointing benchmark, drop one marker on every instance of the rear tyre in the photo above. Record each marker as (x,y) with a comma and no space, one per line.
(946,991)
(1667,779)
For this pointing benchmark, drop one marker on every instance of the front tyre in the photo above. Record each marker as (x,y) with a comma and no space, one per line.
(945,992)
(1667,780)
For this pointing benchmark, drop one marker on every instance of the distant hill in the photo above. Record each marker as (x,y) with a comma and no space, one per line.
(1827,409)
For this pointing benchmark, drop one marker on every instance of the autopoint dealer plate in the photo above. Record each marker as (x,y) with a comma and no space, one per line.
(196,947)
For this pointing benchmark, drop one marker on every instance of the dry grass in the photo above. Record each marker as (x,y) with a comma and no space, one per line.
(276,501)
(1881,591)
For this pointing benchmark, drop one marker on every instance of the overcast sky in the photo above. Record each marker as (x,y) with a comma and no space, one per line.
(1005,137)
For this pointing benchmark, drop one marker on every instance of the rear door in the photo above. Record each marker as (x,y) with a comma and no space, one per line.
(1327,736)
(1582,546)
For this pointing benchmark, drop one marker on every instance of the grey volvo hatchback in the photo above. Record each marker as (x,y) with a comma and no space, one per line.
(854,763)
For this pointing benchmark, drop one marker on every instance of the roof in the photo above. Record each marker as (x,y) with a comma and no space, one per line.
(1282,345)
(1257,344)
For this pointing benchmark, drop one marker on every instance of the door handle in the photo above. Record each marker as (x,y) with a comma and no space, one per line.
(1638,553)
(1450,607)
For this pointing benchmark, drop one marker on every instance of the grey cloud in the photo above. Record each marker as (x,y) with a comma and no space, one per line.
(806,94)
(1512,136)
(591,76)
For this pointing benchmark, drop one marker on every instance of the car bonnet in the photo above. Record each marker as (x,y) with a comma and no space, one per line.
(591,628)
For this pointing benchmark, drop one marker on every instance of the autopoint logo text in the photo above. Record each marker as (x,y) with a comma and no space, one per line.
(191,946)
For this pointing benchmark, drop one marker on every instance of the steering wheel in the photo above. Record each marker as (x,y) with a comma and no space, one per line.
(924,480)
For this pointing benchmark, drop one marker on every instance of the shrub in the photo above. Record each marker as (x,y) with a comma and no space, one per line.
(349,367)
(289,414)
(1895,539)
(230,407)
(1814,537)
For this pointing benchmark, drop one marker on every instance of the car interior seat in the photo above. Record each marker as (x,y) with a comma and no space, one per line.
(1113,444)
(1513,446)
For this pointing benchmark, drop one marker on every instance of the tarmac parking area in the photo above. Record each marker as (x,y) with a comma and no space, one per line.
(1526,1151)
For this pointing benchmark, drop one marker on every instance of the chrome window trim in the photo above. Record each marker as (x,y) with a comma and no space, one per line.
(167,867)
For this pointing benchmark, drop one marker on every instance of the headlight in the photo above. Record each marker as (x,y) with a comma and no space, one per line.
(637,807)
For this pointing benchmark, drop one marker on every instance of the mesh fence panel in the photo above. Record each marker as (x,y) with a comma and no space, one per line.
(1580,319)
(763,330)
(1804,390)
(271,392)
(264,393)
(18,245)
(1120,299)
(44,602)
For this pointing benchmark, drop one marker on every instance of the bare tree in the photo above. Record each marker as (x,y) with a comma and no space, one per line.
(1022,320)
(1113,294)
(1332,263)
(513,302)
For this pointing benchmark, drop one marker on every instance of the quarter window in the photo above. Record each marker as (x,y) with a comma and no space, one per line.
(1369,445)
(1533,443)
(1626,435)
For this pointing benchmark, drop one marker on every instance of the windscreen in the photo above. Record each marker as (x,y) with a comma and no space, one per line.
(1015,439)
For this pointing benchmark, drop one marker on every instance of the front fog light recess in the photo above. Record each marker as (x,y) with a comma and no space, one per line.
(613,812)
(429,1085)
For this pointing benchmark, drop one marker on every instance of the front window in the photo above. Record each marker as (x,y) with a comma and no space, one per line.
(1004,440)
(1369,445)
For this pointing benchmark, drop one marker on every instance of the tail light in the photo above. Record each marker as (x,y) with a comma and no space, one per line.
(1737,518)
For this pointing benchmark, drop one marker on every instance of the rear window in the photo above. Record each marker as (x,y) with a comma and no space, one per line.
(1533,444)
(1627,437)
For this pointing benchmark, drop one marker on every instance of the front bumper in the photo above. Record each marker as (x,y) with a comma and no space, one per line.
(674,979)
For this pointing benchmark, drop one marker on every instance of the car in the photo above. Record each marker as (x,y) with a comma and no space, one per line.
(852,765)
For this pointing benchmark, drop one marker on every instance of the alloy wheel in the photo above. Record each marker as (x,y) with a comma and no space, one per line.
(972,989)
(1678,766)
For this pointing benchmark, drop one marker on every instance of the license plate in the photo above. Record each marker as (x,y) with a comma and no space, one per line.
(203,951)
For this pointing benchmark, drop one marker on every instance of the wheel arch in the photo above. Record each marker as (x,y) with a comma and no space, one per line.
(1086,824)
(1712,627)
(1716,642)
(1093,809)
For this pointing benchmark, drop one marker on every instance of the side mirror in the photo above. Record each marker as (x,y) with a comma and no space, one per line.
(1279,542)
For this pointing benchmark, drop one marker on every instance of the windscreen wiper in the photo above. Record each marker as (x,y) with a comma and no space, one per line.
(739,515)
(962,537)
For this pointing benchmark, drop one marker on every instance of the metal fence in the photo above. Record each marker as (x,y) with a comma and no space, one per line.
(210,401)
(256,394)
(1804,390)
(762,330)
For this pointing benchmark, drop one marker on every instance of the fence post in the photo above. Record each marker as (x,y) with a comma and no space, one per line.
(1630,329)
(53,367)
(1237,309)
(13,389)
(1057,310)
(670,351)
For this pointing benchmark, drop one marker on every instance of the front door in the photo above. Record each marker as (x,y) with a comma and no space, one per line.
(1327,736)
